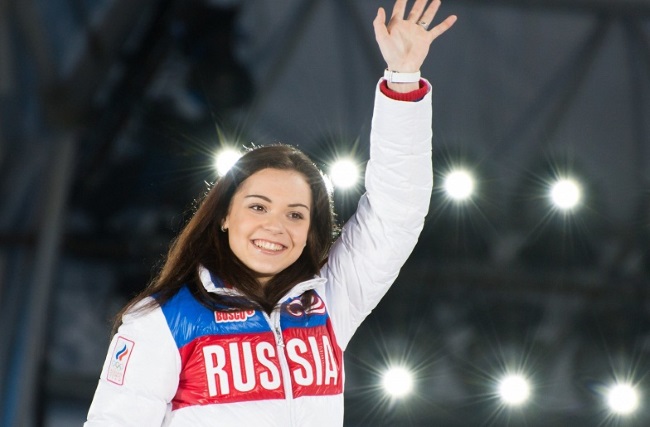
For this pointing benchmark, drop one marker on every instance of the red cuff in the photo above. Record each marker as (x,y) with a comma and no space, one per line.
(415,95)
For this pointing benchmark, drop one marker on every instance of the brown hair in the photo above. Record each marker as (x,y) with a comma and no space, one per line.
(201,242)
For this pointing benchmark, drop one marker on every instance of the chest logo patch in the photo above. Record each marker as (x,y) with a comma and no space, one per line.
(317,306)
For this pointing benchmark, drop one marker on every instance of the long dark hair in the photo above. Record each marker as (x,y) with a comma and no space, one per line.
(201,242)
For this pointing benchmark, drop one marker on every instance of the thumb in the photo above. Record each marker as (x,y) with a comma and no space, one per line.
(379,24)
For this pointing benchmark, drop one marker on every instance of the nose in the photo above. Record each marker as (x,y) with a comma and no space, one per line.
(274,223)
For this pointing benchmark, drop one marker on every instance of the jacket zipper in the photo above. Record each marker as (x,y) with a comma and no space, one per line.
(274,323)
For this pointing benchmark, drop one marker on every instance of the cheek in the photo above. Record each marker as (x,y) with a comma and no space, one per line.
(300,237)
(305,237)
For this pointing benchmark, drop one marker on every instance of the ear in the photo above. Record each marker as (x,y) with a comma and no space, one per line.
(224,224)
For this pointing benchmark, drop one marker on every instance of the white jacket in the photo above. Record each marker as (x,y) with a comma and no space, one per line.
(183,365)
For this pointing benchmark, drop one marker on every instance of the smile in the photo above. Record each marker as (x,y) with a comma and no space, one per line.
(269,246)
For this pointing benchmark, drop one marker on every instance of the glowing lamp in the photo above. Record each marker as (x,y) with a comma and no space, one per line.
(344,173)
(623,399)
(398,382)
(459,185)
(566,194)
(225,159)
(514,390)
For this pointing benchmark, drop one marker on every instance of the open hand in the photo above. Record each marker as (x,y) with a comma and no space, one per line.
(404,42)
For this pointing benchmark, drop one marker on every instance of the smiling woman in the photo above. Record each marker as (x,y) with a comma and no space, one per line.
(249,316)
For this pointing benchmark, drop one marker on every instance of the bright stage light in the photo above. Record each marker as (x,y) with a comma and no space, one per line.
(623,399)
(566,194)
(514,390)
(459,185)
(398,382)
(344,173)
(225,159)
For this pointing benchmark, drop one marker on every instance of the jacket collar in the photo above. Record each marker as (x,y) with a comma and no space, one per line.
(212,283)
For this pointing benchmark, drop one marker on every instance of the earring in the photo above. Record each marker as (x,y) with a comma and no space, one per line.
(223,229)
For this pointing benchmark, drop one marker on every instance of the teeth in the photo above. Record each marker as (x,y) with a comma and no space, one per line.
(263,244)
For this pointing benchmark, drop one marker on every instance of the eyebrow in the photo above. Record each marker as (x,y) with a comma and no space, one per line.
(292,205)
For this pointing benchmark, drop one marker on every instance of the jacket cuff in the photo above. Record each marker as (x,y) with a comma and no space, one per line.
(415,95)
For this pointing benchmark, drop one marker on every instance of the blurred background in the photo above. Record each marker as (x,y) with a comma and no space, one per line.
(526,300)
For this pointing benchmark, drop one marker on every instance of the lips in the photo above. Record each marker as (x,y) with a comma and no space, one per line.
(268,246)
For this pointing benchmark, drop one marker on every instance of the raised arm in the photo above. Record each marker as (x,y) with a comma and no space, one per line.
(377,240)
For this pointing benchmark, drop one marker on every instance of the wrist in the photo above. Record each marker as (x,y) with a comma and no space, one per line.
(400,77)
(402,82)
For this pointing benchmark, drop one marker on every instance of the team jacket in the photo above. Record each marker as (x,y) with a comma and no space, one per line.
(184,365)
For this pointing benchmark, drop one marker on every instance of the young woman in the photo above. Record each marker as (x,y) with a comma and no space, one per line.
(247,321)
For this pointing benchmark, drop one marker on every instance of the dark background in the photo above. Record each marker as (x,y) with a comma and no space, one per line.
(111,110)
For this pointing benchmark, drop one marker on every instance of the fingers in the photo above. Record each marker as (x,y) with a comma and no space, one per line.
(430,12)
(439,29)
(420,13)
(398,9)
(417,9)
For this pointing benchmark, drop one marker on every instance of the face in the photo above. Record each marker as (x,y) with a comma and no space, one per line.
(268,221)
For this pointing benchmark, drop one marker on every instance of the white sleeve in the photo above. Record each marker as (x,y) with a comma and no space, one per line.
(140,374)
(378,239)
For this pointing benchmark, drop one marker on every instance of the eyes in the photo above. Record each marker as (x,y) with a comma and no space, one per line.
(292,215)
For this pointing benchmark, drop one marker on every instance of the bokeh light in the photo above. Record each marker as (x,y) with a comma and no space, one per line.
(459,185)
(225,159)
(398,381)
(344,173)
(623,399)
(514,390)
(566,194)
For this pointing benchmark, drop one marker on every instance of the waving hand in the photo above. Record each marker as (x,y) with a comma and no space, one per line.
(404,42)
